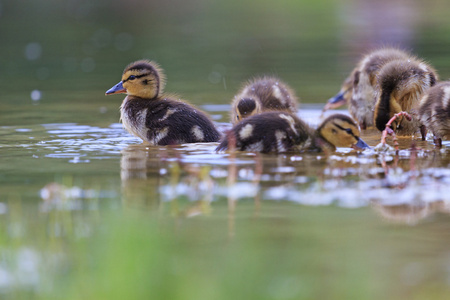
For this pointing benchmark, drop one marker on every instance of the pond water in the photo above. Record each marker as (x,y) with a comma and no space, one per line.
(350,221)
(87,212)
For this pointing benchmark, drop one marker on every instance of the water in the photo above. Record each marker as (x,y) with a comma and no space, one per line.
(61,181)
(88,212)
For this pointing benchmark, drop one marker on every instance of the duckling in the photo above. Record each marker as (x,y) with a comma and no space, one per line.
(280,131)
(156,118)
(400,84)
(359,89)
(434,111)
(262,94)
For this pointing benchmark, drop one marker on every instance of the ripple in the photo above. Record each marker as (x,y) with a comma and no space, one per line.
(69,140)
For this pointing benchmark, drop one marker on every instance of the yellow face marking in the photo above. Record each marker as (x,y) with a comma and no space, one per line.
(340,133)
(240,116)
(243,107)
(141,83)
(134,72)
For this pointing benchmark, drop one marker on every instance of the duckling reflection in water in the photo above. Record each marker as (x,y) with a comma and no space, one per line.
(434,111)
(359,89)
(409,214)
(262,94)
(279,131)
(155,118)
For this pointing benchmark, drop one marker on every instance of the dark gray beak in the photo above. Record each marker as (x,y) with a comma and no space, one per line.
(361,144)
(117,89)
(336,101)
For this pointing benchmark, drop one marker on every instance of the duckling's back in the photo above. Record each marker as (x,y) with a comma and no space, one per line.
(273,131)
(401,84)
(167,121)
(363,98)
(434,110)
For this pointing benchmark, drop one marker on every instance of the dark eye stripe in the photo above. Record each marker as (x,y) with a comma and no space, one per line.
(135,76)
(348,130)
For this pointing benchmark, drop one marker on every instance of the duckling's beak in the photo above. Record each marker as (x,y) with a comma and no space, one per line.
(361,144)
(117,89)
(336,101)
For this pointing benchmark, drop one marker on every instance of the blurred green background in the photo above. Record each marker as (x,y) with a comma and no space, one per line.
(57,58)
(72,51)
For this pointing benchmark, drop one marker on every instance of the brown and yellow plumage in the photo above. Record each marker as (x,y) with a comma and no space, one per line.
(400,85)
(262,94)
(156,118)
(434,111)
(279,131)
(359,90)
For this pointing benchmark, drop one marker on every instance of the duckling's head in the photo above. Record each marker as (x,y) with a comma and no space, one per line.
(142,79)
(400,85)
(246,107)
(341,131)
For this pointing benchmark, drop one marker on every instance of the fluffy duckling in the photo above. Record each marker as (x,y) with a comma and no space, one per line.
(434,111)
(262,94)
(359,89)
(400,84)
(155,118)
(279,131)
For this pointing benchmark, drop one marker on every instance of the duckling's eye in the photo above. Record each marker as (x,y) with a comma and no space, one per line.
(349,131)
(132,77)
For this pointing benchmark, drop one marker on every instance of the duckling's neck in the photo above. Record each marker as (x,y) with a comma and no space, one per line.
(135,104)
(133,113)
(321,144)
(383,110)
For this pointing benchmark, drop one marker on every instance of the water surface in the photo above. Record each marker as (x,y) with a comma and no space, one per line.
(307,217)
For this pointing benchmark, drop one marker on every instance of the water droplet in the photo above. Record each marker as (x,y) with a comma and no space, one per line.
(3,208)
(36,95)
(215,77)
(220,68)
(33,51)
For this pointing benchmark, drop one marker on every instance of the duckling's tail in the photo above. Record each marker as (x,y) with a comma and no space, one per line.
(228,142)
(223,146)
